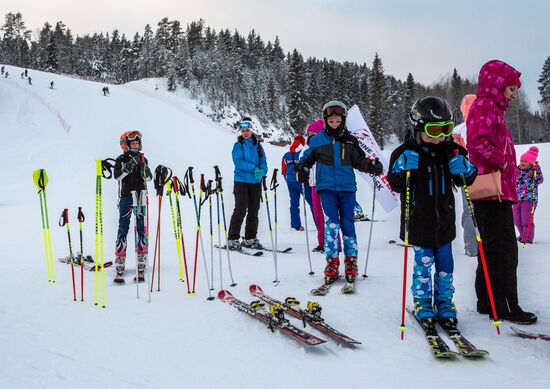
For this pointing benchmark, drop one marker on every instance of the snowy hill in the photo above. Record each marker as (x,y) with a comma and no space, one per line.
(177,341)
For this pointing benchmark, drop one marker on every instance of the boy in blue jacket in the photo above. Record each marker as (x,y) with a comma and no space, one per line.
(250,167)
(336,153)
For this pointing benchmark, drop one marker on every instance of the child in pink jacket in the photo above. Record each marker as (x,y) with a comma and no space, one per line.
(529,179)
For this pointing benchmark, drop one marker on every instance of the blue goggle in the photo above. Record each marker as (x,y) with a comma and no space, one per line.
(246,124)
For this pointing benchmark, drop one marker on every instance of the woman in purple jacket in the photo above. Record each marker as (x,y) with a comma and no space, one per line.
(491,149)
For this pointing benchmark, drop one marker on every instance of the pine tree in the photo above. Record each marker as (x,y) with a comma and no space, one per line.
(16,37)
(544,88)
(379,113)
(456,96)
(297,106)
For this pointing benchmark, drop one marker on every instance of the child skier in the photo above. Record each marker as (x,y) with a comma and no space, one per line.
(529,179)
(336,153)
(435,163)
(295,188)
(132,173)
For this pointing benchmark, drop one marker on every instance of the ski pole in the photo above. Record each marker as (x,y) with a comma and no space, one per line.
(179,188)
(199,234)
(495,321)
(526,235)
(273,186)
(264,184)
(135,206)
(169,190)
(64,222)
(209,196)
(311,272)
(144,212)
(40,179)
(80,221)
(219,189)
(216,190)
(163,175)
(374,189)
(402,327)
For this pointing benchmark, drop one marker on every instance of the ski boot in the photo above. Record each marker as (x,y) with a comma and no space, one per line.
(252,244)
(233,245)
(424,313)
(140,277)
(445,309)
(351,269)
(318,249)
(119,278)
(331,270)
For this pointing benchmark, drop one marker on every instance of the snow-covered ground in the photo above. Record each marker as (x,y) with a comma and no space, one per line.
(177,341)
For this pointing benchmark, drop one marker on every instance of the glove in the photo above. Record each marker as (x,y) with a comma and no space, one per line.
(374,167)
(302,174)
(144,171)
(460,165)
(258,174)
(536,168)
(131,164)
(406,161)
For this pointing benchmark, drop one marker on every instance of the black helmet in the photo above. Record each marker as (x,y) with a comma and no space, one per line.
(429,109)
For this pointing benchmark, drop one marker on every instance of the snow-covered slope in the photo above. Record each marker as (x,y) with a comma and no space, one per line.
(176,341)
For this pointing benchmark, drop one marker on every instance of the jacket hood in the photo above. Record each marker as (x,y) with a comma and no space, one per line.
(493,79)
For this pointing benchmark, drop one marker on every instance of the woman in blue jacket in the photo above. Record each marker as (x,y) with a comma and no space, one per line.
(250,167)
(336,153)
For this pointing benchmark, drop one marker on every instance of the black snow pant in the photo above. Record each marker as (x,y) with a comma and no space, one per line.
(247,203)
(496,226)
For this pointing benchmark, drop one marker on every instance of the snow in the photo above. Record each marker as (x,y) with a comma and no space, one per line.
(49,341)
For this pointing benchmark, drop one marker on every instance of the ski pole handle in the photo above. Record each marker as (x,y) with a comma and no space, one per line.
(202,184)
(218,173)
(190,174)
(80,215)
(274,184)
(264,184)
(175,185)
(64,219)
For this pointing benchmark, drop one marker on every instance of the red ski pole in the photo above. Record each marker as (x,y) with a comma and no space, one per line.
(402,327)
(64,221)
(80,221)
(495,322)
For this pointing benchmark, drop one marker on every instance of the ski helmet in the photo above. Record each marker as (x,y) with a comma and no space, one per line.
(245,122)
(127,137)
(331,108)
(431,115)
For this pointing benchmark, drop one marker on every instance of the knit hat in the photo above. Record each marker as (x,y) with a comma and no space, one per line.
(316,127)
(466,104)
(297,142)
(530,155)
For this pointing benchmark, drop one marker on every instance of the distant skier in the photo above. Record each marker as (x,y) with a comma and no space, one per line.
(7,74)
(428,153)
(2,69)
(22,75)
(295,188)
(30,80)
(105,91)
(336,152)
(132,175)
(26,73)
(250,167)
(51,85)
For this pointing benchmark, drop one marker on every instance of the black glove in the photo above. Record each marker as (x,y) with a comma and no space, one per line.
(131,164)
(374,167)
(302,174)
(144,171)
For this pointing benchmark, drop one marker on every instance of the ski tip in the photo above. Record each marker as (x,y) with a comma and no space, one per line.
(225,295)
(255,289)
(258,254)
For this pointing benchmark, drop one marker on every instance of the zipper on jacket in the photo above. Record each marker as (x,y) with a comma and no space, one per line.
(436,206)
(430,180)
(343,151)
(442,180)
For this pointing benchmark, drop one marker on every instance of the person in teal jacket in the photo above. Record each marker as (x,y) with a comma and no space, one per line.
(250,167)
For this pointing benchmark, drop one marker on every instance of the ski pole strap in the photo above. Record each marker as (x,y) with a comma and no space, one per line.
(206,189)
(80,215)
(163,175)
(107,166)
(264,183)
(188,180)
(218,179)
(274,184)
(64,219)
(40,179)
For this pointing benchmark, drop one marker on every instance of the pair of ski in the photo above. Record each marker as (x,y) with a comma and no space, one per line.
(88,266)
(255,253)
(348,288)
(277,320)
(440,349)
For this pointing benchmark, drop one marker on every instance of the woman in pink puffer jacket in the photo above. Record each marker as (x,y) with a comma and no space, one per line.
(491,148)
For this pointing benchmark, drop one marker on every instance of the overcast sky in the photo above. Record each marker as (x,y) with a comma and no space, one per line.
(427,38)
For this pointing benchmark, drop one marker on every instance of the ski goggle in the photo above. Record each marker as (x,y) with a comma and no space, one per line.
(133,135)
(335,110)
(245,124)
(439,129)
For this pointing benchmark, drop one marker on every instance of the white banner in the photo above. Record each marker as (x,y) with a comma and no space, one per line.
(358,127)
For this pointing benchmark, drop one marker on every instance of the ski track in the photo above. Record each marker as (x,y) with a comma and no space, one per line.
(177,340)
